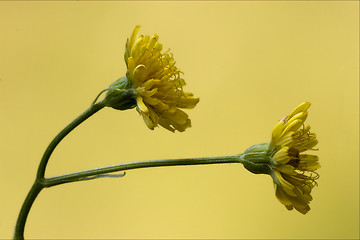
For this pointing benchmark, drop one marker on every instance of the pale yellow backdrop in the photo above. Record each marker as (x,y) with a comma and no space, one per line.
(249,62)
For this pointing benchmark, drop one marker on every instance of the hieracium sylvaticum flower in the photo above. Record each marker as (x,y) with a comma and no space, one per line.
(153,84)
(284,158)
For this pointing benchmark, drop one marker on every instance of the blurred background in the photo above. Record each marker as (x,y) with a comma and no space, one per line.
(250,63)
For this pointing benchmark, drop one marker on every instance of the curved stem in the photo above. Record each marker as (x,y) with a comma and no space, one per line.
(38,184)
(88,113)
(77,176)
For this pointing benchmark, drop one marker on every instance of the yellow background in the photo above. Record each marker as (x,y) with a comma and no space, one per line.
(250,63)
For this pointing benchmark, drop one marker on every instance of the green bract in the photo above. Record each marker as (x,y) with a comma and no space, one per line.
(121,95)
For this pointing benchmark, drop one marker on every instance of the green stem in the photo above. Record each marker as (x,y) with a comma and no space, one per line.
(39,181)
(24,212)
(67,178)
(42,182)
(88,113)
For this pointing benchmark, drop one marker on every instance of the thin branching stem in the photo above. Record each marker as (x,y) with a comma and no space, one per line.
(39,181)
(42,182)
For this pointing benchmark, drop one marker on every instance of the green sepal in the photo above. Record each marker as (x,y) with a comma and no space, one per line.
(120,95)
(257,159)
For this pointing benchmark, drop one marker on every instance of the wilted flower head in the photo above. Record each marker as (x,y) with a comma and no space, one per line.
(155,84)
(292,170)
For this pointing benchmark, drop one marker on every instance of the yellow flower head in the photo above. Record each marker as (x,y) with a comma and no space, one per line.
(292,170)
(294,174)
(157,83)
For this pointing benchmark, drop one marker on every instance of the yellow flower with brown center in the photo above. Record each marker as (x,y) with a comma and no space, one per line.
(292,170)
(294,175)
(157,83)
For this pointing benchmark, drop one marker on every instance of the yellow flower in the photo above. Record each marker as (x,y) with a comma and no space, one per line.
(294,174)
(292,170)
(157,83)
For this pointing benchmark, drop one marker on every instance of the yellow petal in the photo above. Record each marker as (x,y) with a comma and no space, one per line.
(131,68)
(158,47)
(134,51)
(152,42)
(281,195)
(148,84)
(282,155)
(149,93)
(277,132)
(187,102)
(301,108)
(172,109)
(179,116)
(151,101)
(182,127)
(292,127)
(300,204)
(287,169)
(147,120)
(154,117)
(301,115)
(286,140)
(133,36)
(141,105)
(288,187)
(309,162)
(166,124)
(310,142)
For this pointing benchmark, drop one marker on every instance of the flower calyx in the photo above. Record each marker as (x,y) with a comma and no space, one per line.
(257,159)
(120,95)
